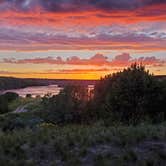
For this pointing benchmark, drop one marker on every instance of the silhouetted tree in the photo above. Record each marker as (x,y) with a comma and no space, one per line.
(10,96)
(129,96)
(3,105)
(67,105)
(5,99)
(28,95)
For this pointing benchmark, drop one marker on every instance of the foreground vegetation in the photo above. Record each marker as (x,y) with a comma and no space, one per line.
(50,145)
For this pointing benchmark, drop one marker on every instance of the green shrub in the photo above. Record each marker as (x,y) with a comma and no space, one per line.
(131,96)
(65,107)
(5,99)
(10,96)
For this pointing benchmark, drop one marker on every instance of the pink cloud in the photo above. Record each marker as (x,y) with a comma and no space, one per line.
(121,60)
(123,57)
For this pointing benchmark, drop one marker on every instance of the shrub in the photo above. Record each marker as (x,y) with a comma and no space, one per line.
(3,105)
(28,95)
(10,96)
(5,99)
(67,106)
(130,96)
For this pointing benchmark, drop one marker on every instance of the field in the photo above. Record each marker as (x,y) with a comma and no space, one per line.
(50,145)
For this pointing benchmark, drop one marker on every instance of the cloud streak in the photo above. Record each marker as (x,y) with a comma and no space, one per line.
(121,60)
(19,39)
(54,72)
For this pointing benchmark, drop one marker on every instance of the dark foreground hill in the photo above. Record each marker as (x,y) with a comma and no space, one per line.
(161,77)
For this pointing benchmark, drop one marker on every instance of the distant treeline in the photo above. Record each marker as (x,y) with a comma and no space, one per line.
(16,83)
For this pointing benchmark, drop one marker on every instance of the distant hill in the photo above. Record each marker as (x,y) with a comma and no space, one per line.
(15,83)
(161,77)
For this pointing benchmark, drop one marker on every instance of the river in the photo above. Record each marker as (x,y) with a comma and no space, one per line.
(39,90)
(36,90)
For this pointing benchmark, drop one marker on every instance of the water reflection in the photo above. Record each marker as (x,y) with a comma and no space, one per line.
(37,90)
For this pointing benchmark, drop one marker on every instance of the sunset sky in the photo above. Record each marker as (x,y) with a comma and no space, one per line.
(81,39)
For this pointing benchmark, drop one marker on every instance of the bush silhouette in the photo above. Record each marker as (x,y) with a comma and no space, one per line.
(10,96)
(5,99)
(130,96)
(66,106)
